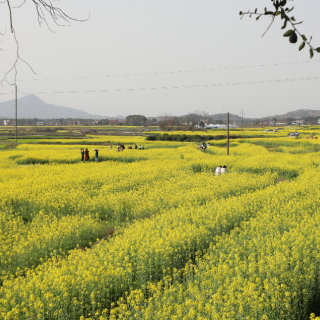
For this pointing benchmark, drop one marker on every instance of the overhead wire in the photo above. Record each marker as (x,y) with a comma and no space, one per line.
(172,72)
(171,87)
(164,87)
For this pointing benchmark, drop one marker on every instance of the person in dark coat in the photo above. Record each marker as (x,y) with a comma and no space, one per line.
(82,154)
(86,155)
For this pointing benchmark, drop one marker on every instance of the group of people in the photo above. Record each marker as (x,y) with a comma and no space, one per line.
(121,147)
(204,146)
(85,155)
(85,152)
(221,170)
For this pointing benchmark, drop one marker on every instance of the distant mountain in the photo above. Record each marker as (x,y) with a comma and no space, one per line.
(292,114)
(32,107)
(299,114)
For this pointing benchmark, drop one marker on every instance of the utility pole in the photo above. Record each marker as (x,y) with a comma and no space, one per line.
(242,120)
(16,113)
(227,133)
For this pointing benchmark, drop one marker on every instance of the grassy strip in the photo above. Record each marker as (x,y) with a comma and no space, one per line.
(29,236)
(28,245)
(91,281)
(266,269)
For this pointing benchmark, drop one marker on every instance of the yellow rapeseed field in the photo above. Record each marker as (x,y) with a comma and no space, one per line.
(155,234)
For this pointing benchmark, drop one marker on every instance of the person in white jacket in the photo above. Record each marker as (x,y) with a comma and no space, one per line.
(218,171)
(223,170)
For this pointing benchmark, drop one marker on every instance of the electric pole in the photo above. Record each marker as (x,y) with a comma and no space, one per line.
(16,114)
(227,133)
(242,120)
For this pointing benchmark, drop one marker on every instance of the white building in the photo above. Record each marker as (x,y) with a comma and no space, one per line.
(220,126)
(281,123)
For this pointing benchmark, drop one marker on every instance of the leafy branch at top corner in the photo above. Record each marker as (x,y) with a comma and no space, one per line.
(280,10)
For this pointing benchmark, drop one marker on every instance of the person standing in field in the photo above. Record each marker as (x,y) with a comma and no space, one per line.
(96,155)
(110,147)
(135,146)
(218,171)
(82,154)
(223,170)
(143,147)
(204,146)
(86,155)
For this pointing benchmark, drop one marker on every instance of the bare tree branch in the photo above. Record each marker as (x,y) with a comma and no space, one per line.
(5,30)
(42,7)
(11,25)
(20,5)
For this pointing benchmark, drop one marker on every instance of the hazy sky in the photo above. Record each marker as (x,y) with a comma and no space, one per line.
(127,37)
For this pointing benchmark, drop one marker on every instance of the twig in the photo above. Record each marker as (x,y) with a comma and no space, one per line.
(285,16)
(269,26)
(41,6)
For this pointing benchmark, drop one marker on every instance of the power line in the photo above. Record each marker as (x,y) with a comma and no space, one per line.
(172,72)
(171,87)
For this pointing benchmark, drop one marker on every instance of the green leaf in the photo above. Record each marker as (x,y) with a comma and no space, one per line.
(311,53)
(302,45)
(285,24)
(277,13)
(304,37)
(255,11)
(283,3)
(258,18)
(287,34)
(293,19)
(318,50)
(268,12)
(240,13)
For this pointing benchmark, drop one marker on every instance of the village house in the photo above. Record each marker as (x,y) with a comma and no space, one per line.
(281,123)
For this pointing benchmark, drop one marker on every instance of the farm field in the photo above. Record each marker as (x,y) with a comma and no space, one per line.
(155,234)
